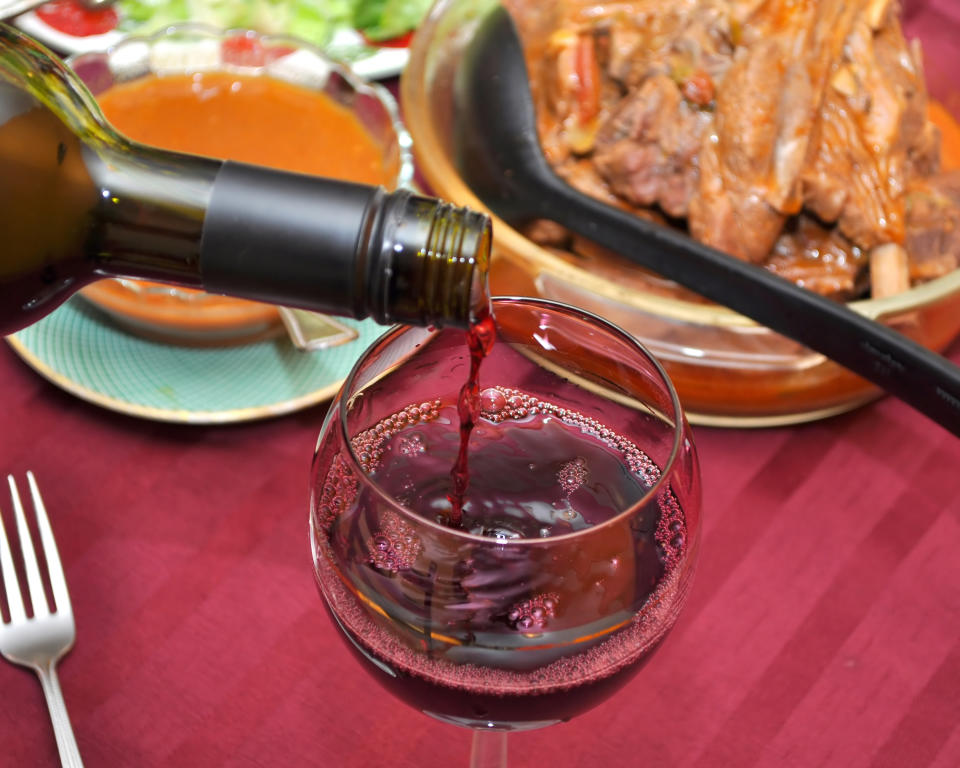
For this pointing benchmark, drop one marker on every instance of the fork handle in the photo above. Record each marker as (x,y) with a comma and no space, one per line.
(66,743)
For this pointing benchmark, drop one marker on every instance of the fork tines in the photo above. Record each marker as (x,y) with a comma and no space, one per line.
(58,583)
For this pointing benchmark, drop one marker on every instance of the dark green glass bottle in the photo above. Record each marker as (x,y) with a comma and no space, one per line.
(79,202)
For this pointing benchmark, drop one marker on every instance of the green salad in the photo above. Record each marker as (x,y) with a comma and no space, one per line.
(316,21)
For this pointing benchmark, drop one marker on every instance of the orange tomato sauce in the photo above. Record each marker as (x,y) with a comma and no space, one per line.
(249,119)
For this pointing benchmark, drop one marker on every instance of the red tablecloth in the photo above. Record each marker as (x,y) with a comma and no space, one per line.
(823,627)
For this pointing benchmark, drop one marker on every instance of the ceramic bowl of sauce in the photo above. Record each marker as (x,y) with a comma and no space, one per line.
(237,95)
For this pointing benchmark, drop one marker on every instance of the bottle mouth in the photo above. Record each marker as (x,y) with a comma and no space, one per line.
(436,258)
(481,304)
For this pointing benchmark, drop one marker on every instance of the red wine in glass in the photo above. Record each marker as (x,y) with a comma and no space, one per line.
(573,475)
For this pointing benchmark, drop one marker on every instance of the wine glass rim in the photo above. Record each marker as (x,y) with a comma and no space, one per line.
(666,471)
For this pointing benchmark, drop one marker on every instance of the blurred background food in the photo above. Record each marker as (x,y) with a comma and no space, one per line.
(313,20)
(371,34)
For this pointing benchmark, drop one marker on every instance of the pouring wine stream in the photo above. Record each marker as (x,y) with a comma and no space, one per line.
(502,162)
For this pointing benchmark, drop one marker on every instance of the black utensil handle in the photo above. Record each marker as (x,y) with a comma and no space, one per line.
(923,379)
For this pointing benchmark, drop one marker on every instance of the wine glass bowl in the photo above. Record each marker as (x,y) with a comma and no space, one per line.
(580,522)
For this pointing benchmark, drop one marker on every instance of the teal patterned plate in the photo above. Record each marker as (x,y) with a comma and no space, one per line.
(81,350)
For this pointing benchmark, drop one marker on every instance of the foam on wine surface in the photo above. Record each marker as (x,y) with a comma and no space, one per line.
(535,470)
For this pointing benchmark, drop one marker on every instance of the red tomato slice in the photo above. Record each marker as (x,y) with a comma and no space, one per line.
(243,51)
(397,42)
(248,51)
(71,18)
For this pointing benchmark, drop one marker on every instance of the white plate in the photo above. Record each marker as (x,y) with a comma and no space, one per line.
(381,63)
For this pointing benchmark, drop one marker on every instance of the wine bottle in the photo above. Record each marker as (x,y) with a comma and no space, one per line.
(79,202)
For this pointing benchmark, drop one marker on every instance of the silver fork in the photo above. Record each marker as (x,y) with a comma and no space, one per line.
(38,642)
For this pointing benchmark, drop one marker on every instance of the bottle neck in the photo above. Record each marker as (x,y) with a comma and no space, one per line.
(150,211)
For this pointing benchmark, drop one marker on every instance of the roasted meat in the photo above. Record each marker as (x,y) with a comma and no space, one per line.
(790,133)
(933,225)
(645,151)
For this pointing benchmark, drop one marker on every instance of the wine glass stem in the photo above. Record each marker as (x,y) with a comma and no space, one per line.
(489,749)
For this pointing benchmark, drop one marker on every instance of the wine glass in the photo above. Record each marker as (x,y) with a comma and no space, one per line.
(577,535)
